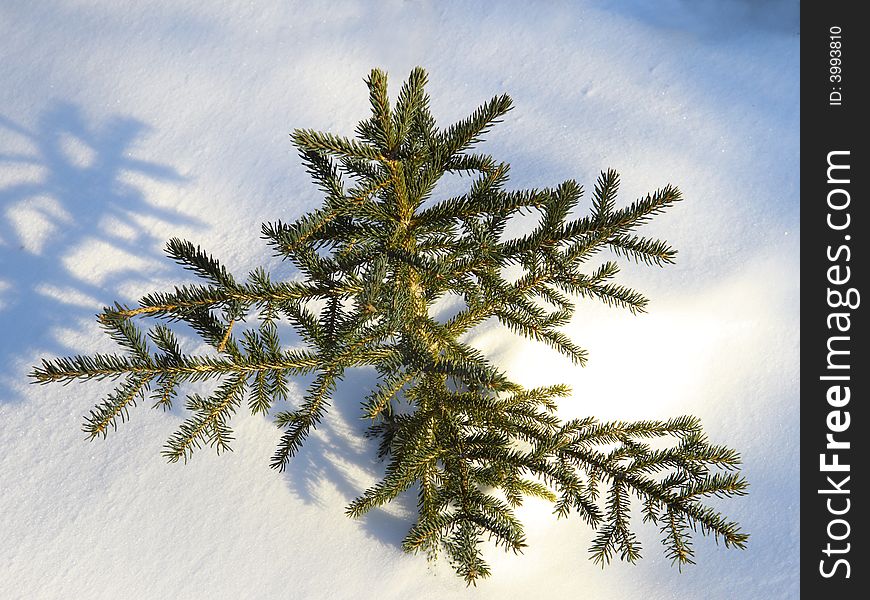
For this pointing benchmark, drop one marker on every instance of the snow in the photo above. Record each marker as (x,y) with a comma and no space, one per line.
(124,125)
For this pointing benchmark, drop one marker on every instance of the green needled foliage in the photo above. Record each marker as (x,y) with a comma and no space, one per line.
(453,428)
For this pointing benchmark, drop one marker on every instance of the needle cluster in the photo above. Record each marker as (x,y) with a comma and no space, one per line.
(451,426)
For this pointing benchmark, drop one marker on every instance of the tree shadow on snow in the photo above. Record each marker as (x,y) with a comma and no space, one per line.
(65,194)
(339,455)
(66,198)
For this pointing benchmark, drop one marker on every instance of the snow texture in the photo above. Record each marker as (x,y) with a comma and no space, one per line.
(122,125)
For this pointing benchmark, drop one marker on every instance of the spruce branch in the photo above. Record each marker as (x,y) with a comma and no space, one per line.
(372,263)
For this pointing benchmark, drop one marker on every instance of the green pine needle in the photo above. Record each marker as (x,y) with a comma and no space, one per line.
(372,262)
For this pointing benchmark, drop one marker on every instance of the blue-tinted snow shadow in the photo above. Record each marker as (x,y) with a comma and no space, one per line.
(712,18)
(338,454)
(72,189)
(74,183)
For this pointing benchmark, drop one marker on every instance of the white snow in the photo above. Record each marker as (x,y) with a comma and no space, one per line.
(124,124)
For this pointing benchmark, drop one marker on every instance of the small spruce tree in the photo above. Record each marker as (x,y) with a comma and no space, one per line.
(453,427)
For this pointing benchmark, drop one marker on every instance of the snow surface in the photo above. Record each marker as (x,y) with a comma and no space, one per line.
(124,125)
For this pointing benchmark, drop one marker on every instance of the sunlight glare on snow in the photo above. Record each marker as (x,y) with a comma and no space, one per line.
(702,339)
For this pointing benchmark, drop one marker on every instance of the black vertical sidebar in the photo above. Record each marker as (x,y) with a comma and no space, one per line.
(835,367)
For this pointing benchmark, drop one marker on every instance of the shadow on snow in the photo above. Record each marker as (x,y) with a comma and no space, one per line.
(70,188)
